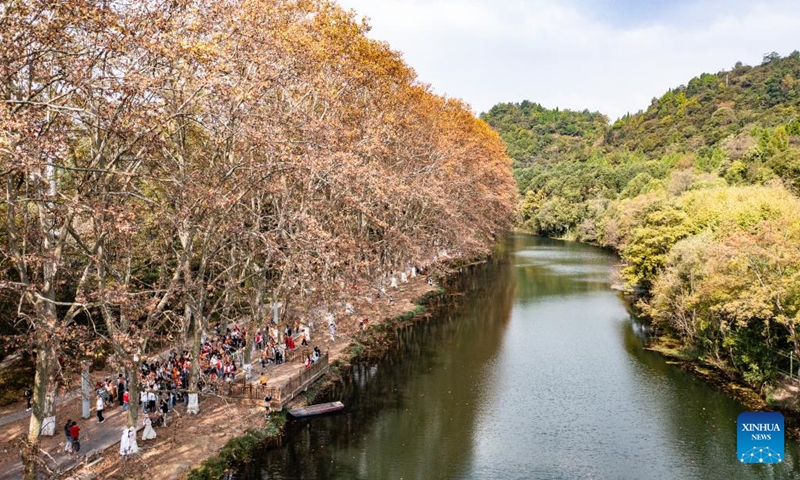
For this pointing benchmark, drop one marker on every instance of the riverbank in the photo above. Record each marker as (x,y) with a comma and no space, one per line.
(533,340)
(781,397)
(227,431)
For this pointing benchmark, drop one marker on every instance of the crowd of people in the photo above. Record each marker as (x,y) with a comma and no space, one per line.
(220,357)
(167,378)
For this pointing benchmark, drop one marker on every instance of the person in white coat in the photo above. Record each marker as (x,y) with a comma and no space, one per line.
(148,433)
(127,443)
(100,405)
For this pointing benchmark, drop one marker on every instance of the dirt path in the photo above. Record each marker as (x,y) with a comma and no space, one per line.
(188,440)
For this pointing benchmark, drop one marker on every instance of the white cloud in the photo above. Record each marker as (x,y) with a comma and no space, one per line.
(558,53)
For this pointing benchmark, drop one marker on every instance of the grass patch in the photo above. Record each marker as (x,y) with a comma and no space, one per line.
(410,314)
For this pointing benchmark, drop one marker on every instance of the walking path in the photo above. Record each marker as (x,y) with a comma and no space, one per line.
(20,414)
(97,438)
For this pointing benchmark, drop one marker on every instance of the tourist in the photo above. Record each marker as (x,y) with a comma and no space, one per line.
(259,340)
(308,361)
(305,338)
(151,401)
(28,397)
(75,435)
(121,390)
(126,398)
(333,329)
(164,410)
(101,391)
(101,405)
(127,443)
(265,358)
(68,443)
(112,392)
(148,433)
(263,379)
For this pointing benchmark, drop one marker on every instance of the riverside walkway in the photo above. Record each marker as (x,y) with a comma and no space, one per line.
(285,382)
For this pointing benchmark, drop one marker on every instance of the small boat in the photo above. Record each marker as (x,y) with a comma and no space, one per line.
(318,409)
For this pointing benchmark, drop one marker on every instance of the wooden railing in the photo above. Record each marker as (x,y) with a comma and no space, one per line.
(281,394)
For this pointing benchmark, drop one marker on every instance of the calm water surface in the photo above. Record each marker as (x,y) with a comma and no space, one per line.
(536,373)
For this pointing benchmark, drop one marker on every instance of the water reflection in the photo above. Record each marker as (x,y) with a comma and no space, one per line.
(538,371)
(412,414)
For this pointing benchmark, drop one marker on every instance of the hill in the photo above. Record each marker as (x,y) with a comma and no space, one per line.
(698,194)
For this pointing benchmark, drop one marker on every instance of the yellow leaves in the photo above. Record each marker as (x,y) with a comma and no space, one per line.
(200,50)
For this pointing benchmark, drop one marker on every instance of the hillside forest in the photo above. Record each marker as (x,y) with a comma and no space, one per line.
(171,165)
(699,196)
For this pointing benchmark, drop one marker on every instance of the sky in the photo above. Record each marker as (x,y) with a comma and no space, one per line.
(611,56)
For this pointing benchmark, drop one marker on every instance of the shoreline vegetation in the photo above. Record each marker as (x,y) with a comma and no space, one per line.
(725,380)
(172,167)
(698,195)
(782,396)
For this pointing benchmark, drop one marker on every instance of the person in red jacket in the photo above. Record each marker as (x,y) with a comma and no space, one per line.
(75,433)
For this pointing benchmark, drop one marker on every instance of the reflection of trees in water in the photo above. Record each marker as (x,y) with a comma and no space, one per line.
(418,403)
(573,268)
(698,419)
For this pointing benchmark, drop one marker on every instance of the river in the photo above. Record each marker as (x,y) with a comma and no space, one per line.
(537,371)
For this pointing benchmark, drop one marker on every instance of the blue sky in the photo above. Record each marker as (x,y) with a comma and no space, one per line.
(605,55)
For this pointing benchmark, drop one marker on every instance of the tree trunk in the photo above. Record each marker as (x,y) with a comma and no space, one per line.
(795,343)
(133,393)
(43,402)
(257,322)
(194,373)
(49,424)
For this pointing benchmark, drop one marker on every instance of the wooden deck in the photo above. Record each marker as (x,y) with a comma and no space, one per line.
(285,391)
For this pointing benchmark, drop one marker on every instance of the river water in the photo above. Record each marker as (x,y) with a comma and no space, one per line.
(536,372)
